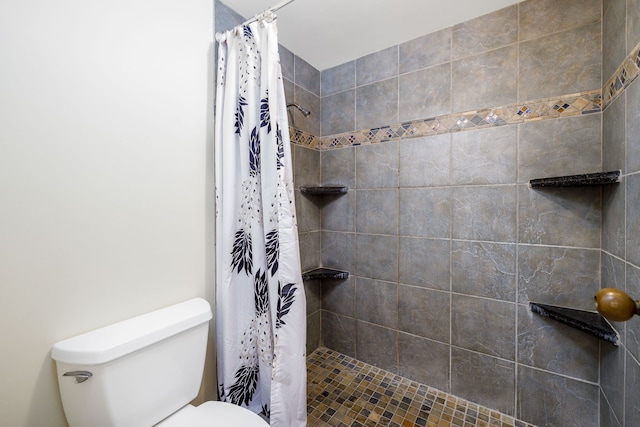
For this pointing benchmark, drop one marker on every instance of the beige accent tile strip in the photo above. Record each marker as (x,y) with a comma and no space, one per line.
(624,75)
(303,138)
(541,109)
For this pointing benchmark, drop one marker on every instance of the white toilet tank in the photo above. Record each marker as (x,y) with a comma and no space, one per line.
(137,372)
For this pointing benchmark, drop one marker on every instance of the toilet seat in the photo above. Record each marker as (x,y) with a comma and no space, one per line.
(213,413)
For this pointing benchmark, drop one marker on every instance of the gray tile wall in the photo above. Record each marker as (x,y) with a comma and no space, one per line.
(446,263)
(444,239)
(302,86)
(306,171)
(520,53)
(619,367)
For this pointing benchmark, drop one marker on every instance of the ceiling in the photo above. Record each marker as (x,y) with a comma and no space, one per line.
(326,33)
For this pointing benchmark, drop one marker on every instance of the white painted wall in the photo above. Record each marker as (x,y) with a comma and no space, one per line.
(106,204)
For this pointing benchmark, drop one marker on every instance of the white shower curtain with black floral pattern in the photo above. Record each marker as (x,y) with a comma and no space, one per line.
(260,307)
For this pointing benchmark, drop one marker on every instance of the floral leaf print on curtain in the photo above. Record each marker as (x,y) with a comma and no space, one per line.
(248,34)
(256,343)
(241,392)
(254,153)
(286,298)
(265,118)
(260,295)
(242,255)
(280,153)
(266,411)
(261,323)
(242,102)
(242,258)
(273,251)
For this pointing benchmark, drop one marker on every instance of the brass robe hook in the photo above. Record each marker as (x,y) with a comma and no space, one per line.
(616,305)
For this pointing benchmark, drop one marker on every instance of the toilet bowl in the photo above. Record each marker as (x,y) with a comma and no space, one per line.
(213,414)
(143,372)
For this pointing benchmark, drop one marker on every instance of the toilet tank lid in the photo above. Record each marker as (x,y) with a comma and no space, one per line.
(113,341)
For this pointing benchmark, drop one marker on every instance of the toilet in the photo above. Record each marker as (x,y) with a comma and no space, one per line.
(143,372)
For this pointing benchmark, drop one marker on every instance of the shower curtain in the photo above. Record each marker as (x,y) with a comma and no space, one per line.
(260,307)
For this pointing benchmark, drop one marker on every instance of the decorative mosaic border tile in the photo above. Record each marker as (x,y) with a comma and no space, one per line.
(594,101)
(549,108)
(303,138)
(624,75)
(541,109)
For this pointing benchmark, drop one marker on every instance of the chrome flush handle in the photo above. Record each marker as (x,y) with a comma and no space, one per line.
(81,376)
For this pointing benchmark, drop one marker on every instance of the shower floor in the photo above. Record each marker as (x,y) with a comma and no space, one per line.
(344,392)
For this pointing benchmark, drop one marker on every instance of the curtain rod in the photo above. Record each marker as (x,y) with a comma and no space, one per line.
(271,9)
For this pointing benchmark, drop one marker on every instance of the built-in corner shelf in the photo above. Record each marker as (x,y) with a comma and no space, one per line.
(590,322)
(322,272)
(325,273)
(325,190)
(598,178)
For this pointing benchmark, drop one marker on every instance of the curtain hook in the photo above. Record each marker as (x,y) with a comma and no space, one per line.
(266,16)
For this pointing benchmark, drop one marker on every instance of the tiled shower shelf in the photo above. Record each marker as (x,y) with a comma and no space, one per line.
(325,273)
(587,321)
(598,178)
(325,190)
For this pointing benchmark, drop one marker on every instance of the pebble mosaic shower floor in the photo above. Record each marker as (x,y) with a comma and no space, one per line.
(344,392)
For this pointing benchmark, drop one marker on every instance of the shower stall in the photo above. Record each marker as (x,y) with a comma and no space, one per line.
(444,241)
